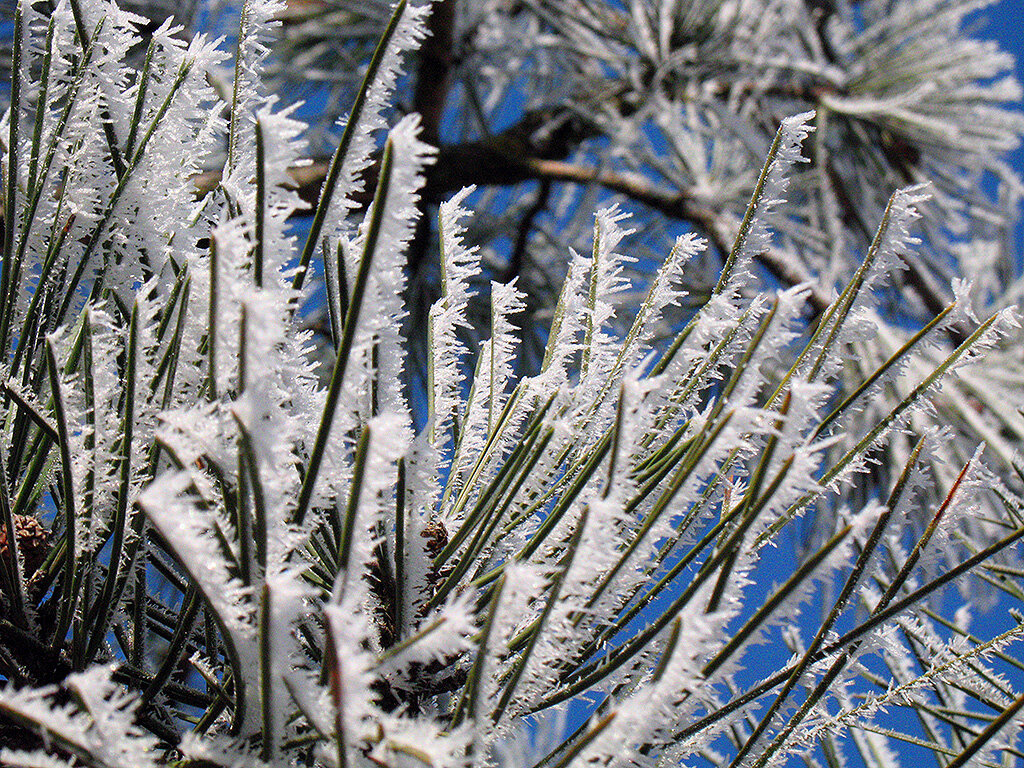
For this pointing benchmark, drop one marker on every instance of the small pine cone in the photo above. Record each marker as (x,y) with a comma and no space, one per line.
(436,537)
(33,542)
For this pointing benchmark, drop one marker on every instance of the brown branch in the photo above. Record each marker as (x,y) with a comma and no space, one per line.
(680,205)
(518,257)
(434,73)
(534,149)
(431,94)
(501,159)
(531,151)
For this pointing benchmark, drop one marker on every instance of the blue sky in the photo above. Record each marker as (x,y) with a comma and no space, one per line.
(1006,24)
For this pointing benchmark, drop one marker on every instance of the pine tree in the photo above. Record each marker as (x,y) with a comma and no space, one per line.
(553,108)
(209,558)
